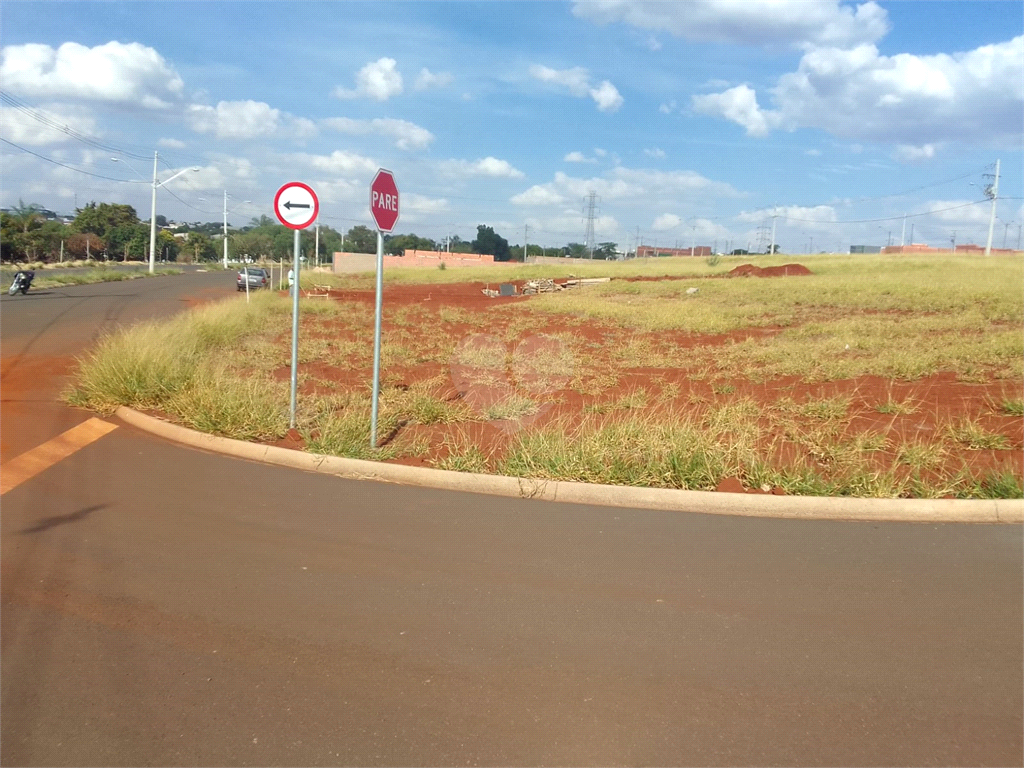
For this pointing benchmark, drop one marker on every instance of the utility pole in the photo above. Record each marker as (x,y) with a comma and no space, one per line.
(911,233)
(774,215)
(903,237)
(1006,230)
(693,239)
(952,240)
(993,192)
(589,239)
(226,231)
(317,246)
(636,245)
(526,234)
(61,251)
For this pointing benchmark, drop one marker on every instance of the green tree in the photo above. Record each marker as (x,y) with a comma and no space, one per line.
(487,241)
(26,216)
(199,247)
(101,219)
(361,239)
(167,246)
(578,250)
(606,251)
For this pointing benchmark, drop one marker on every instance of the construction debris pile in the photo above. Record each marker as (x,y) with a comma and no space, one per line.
(543,285)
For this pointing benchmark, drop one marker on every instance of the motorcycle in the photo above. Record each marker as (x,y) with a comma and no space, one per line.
(22,282)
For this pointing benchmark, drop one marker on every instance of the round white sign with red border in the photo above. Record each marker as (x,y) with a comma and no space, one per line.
(296,205)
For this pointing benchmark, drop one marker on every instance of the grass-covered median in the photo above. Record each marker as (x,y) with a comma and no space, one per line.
(901,382)
(73,274)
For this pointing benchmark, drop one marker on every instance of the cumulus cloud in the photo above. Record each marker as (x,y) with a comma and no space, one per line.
(170,143)
(113,72)
(622,183)
(21,128)
(973,97)
(246,120)
(577,81)
(424,205)
(739,105)
(791,23)
(655,152)
(807,216)
(427,79)
(379,80)
(488,166)
(339,163)
(666,221)
(668,107)
(908,153)
(406,135)
(578,157)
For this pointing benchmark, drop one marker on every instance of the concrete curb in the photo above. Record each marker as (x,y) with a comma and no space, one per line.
(799,507)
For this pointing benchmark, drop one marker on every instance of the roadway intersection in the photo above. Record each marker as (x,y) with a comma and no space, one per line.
(162,605)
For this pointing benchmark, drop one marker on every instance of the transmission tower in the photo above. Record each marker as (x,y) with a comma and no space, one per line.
(763,234)
(589,206)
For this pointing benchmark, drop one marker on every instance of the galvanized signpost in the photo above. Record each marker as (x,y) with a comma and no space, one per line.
(384,209)
(296,206)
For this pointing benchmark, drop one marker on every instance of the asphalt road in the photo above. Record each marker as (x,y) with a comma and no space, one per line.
(163,606)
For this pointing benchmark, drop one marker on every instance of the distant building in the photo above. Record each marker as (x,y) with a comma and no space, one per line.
(650,251)
(865,249)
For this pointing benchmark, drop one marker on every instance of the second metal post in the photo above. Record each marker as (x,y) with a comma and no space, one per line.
(376,341)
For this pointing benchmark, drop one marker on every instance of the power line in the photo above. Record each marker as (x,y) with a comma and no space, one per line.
(889,218)
(71,167)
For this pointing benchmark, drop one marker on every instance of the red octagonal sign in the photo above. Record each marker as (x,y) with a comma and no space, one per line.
(384,200)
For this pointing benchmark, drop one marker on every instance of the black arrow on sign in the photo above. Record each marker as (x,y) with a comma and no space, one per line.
(289,205)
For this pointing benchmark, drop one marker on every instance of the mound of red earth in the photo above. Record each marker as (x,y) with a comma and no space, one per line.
(749,270)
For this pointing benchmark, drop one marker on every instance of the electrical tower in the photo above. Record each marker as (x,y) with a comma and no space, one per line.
(588,240)
(763,235)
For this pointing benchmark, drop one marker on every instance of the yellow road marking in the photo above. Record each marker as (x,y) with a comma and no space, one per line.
(31,463)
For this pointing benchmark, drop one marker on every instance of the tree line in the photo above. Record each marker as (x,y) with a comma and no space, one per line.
(114,232)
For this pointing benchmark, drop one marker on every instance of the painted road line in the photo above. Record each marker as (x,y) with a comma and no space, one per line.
(31,463)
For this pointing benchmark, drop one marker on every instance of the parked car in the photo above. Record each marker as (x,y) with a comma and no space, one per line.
(258,278)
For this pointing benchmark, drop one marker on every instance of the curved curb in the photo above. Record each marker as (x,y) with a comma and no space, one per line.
(666,499)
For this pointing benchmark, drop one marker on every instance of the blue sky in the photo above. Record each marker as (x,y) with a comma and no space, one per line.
(690,121)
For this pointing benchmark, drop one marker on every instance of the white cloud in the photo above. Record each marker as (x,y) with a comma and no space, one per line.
(655,152)
(20,128)
(246,120)
(379,80)
(488,166)
(908,153)
(427,79)
(668,107)
(578,157)
(739,105)
(813,153)
(973,97)
(623,184)
(666,221)
(118,72)
(600,152)
(406,135)
(819,215)
(770,23)
(606,96)
(958,212)
(340,162)
(171,143)
(577,81)
(538,195)
(424,205)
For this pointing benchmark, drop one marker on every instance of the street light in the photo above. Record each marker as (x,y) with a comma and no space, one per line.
(152,217)
(226,226)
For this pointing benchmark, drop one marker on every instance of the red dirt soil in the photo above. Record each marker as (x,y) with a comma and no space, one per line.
(749,270)
(941,399)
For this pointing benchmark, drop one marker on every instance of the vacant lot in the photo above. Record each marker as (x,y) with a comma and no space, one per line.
(872,376)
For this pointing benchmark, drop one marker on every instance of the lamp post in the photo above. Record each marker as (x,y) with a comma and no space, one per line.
(226,226)
(152,217)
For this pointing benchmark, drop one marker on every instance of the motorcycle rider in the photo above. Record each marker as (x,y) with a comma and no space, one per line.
(22,281)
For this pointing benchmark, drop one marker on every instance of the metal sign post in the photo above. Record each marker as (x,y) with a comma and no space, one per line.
(295,333)
(377,313)
(384,209)
(296,206)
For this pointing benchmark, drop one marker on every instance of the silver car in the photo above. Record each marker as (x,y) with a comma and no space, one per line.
(258,278)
